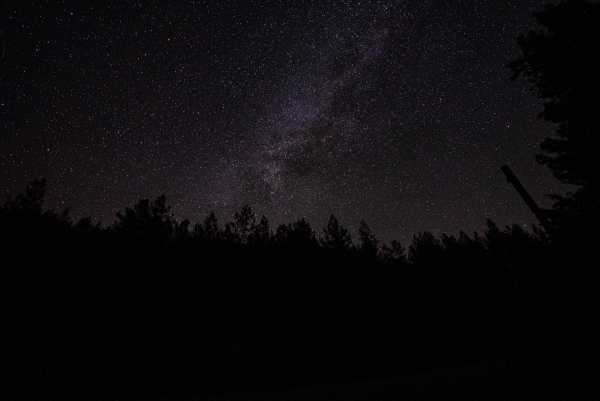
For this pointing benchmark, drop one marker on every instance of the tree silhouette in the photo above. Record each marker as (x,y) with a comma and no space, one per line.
(245,224)
(31,202)
(336,237)
(303,233)
(396,253)
(426,250)
(562,62)
(209,230)
(148,220)
(575,219)
(181,230)
(85,225)
(77,293)
(260,234)
(369,244)
(298,235)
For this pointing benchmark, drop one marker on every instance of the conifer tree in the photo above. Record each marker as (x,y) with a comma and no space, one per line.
(336,237)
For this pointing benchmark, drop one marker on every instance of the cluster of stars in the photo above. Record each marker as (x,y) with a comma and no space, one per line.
(398,113)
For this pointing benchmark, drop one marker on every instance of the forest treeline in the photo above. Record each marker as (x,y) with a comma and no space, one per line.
(151,305)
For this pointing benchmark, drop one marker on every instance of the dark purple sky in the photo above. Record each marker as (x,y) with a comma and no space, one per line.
(398,112)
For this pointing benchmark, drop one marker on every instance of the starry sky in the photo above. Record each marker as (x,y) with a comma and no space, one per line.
(400,112)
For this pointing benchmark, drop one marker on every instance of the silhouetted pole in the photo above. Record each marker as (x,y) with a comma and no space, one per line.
(510,177)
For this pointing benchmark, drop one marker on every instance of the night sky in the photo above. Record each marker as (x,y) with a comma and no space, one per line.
(400,113)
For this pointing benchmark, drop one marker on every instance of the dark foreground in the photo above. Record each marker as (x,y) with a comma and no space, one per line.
(149,309)
(569,374)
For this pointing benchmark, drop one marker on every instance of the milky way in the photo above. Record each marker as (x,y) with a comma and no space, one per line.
(399,113)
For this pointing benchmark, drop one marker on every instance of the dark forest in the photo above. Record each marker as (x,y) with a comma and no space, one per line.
(152,307)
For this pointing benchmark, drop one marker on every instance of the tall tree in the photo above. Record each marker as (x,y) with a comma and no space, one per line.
(562,61)
(261,234)
(211,228)
(336,237)
(245,224)
(369,244)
